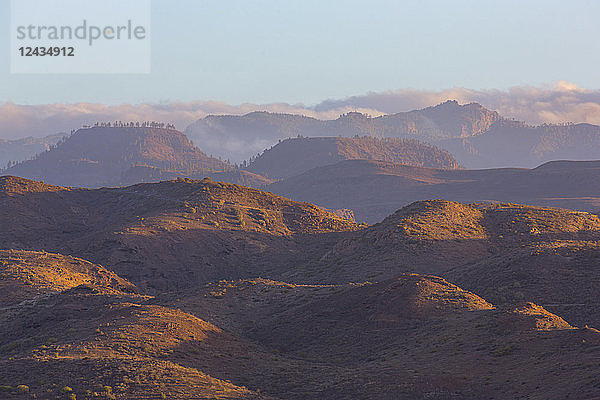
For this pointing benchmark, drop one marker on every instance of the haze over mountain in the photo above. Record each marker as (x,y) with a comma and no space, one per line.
(374,189)
(145,154)
(294,156)
(169,304)
(478,137)
(109,156)
(515,144)
(475,136)
(17,150)
(238,133)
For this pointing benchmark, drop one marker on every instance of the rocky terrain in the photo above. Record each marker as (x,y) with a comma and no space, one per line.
(505,252)
(168,234)
(199,290)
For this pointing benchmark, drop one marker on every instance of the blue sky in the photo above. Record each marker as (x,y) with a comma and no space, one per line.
(264,51)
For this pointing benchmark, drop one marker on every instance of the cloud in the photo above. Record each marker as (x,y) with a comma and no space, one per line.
(20,121)
(561,102)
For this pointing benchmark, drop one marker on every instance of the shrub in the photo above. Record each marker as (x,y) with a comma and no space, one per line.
(22,388)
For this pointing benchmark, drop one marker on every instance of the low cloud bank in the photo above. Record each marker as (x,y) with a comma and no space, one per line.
(562,102)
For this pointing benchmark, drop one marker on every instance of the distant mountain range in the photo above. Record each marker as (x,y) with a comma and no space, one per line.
(113,156)
(475,136)
(246,135)
(374,189)
(295,156)
(478,138)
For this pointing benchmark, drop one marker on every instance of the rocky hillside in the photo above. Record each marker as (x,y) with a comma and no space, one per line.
(425,333)
(295,156)
(507,252)
(28,275)
(168,234)
(198,290)
(260,339)
(373,190)
(105,156)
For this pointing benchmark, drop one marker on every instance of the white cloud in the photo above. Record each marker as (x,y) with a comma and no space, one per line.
(561,102)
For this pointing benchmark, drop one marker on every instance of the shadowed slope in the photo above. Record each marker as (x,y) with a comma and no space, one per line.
(506,252)
(170,234)
(113,347)
(406,337)
(375,189)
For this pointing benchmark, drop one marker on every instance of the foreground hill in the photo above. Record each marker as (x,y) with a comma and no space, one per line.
(295,156)
(249,134)
(168,234)
(373,190)
(507,252)
(406,337)
(105,156)
(28,275)
(86,342)
(343,311)
(236,339)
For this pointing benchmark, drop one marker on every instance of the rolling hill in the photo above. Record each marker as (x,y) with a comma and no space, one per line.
(310,342)
(507,252)
(374,189)
(295,156)
(198,289)
(168,234)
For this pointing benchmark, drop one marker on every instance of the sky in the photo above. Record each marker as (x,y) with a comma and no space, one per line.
(305,52)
